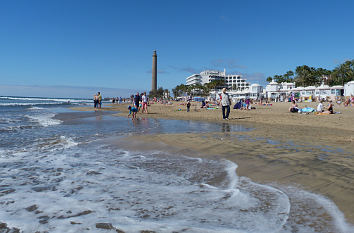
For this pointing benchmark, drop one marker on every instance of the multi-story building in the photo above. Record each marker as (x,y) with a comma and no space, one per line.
(194,79)
(232,81)
(236,82)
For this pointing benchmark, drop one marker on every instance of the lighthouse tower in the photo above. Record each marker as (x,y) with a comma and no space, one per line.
(154,72)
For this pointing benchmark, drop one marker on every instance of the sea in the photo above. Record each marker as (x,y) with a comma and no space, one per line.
(62,171)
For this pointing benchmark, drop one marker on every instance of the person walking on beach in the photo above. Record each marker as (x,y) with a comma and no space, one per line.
(188,105)
(99,99)
(137,100)
(144,101)
(225,102)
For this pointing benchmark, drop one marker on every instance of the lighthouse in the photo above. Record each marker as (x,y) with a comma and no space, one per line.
(154,72)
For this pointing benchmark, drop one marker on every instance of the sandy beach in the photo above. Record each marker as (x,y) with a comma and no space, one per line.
(301,150)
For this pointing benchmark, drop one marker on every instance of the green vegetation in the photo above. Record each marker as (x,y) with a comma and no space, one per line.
(342,74)
(311,76)
(160,93)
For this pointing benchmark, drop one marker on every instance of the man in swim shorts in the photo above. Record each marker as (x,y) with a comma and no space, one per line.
(137,100)
(99,99)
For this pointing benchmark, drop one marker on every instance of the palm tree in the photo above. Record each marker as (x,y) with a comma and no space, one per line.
(288,76)
(217,84)
(166,93)
(343,73)
(307,76)
(175,92)
(206,89)
(190,89)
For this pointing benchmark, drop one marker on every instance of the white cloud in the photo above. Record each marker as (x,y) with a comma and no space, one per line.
(226,63)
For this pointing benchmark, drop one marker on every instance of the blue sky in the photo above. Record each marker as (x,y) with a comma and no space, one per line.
(109,44)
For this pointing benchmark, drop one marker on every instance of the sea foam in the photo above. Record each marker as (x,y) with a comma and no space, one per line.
(58,182)
(45,119)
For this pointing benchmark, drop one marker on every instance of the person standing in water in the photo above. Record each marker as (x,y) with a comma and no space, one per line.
(132,111)
(137,100)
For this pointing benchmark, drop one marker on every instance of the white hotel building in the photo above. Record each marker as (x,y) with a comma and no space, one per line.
(281,91)
(232,81)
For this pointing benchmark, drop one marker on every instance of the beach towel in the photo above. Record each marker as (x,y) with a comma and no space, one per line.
(306,110)
(322,113)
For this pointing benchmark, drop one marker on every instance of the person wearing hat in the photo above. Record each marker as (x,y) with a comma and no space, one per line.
(225,102)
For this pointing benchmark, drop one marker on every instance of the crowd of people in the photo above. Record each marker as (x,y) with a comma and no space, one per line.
(117,100)
(140,102)
(294,108)
(349,102)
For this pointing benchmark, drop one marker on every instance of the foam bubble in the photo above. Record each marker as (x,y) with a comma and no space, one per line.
(308,203)
(35,108)
(45,119)
(68,142)
(2,152)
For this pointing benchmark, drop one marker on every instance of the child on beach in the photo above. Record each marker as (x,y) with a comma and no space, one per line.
(320,106)
(132,111)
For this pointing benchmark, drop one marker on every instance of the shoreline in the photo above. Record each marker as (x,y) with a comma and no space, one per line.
(315,157)
(270,121)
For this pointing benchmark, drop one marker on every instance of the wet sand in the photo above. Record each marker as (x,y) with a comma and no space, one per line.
(312,152)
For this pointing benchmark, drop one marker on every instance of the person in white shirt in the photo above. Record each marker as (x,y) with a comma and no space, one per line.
(320,107)
(225,102)
(144,101)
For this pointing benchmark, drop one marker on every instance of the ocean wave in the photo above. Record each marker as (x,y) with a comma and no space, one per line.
(45,99)
(26,104)
(44,120)
(15,128)
(35,108)
(50,145)
(68,142)
(136,191)
(6,120)
(302,199)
